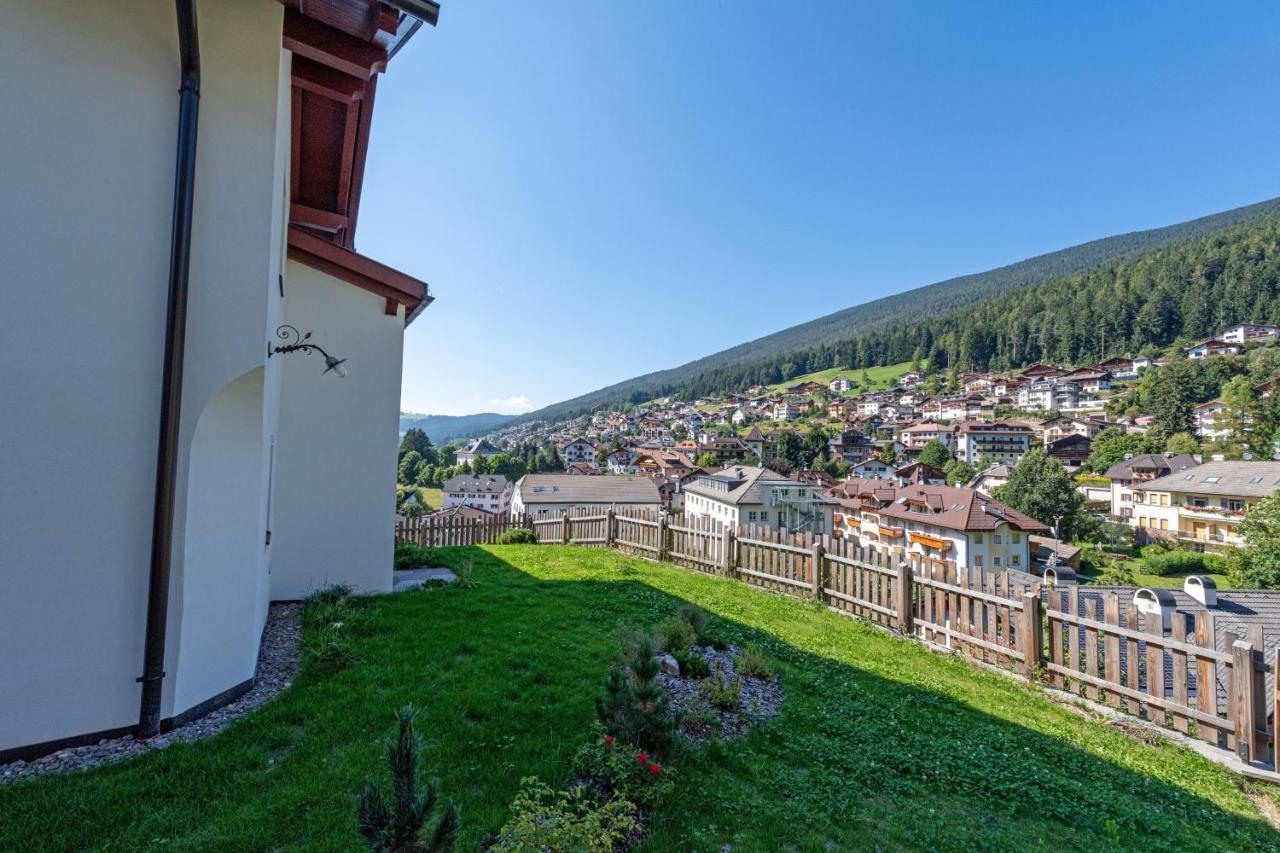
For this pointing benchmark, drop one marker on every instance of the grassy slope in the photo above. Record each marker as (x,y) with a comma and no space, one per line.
(432,497)
(881,377)
(880,743)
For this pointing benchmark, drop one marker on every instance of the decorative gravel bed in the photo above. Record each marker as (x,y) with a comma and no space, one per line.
(278,661)
(761,698)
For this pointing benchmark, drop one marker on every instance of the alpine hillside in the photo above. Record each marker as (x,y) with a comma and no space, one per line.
(828,333)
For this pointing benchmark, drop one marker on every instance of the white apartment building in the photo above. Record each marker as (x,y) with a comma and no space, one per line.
(936,523)
(1048,395)
(743,494)
(997,441)
(578,450)
(489,492)
(1245,332)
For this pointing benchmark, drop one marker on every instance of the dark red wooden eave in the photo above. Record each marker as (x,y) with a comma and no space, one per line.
(363,272)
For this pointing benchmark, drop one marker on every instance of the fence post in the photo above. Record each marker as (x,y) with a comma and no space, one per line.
(1242,698)
(1275,709)
(902,597)
(610,528)
(564,528)
(1032,631)
(662,536)
(726,551)
(816,580)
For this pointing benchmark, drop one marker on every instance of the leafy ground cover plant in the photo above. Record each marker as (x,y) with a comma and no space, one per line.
(410,819)
(546,820)
(618,770)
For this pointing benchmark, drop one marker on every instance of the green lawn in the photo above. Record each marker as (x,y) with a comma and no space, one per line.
(881,377)
(880,744)
(432,497)
(1141,578)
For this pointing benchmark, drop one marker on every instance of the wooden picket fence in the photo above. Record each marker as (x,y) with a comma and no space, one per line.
(441,532)
(1187,676)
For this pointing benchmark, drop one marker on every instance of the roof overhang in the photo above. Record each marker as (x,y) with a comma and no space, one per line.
(363,272)
(339,48)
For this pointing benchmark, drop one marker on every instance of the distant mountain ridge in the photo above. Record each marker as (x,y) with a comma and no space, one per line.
(442,429)
(901,308)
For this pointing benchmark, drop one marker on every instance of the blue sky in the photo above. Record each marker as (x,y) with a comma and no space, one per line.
(596,190)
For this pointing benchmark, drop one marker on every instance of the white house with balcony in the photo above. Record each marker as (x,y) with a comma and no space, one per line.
(1203,505)
(1242,333)
(193,307)
(935,523)
(750,495)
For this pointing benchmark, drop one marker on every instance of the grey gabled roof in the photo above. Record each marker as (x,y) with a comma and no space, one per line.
(742,482)
(476,483)
(570,488)
(1237,479)
(1169,462)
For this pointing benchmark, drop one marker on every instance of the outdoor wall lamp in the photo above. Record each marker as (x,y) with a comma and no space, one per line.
(296,341)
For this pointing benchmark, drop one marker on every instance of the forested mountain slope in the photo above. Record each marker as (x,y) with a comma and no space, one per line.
(444,428)
(789,347)
(1188,290)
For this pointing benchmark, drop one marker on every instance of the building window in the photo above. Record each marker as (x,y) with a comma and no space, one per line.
(996,561)
(977,539)
(1015,559)
(997,539)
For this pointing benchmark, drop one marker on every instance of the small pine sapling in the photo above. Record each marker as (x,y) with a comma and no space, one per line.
(400,824)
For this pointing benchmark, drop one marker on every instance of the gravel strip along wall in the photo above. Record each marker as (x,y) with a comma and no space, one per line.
(278,661)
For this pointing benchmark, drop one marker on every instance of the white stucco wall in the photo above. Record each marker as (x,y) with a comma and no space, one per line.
(88,144)
(222,593)
(334,504)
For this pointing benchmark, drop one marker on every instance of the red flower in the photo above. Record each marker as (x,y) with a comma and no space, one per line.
(608,738)
(654,768)
(642,758)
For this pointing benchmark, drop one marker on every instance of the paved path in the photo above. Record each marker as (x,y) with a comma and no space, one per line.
(409,578)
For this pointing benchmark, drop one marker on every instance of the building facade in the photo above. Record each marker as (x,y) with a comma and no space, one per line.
(275,477)
(744,494)
(489,492)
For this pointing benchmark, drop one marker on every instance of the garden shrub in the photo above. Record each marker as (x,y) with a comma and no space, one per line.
(399,822)
(696,618)
(622,771)
(411,556)
(543,819)
(1175,563)
(752,662)
(675,634)
(723,694)
(518,536)
(634,706)
(1215,563)
(692,664)
(1153,550)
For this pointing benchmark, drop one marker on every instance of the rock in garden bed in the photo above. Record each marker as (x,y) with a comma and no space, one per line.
(760,698)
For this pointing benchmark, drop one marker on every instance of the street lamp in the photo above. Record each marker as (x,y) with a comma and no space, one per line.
(296,341)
